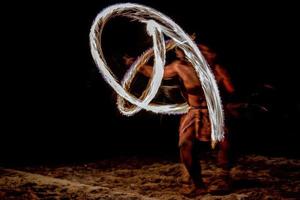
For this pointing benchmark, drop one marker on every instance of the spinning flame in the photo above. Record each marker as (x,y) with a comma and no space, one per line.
(157,25)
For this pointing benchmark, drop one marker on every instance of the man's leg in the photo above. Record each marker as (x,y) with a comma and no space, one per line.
(223,154)
(189,159)
(221,185)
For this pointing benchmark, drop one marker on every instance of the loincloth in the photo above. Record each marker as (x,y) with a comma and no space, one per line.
(195,124)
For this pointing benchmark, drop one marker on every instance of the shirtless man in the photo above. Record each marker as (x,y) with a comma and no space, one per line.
(189,130)
(193,127)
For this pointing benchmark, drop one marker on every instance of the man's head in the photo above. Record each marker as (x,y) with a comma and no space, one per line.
(179,52)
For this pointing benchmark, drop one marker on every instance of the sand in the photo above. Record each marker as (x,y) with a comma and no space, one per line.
(253,177)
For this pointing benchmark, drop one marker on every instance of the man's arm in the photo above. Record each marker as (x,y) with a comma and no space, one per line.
(169,70)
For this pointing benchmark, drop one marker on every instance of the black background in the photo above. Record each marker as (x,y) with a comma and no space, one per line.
(56,106)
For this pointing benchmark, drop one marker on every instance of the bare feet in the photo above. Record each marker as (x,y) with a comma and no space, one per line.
(185,176)
(193,191)
(219,187)
(222,184)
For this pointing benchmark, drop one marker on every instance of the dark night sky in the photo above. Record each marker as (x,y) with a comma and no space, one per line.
(57,106)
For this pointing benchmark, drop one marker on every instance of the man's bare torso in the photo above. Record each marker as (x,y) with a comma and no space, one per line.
(192,86)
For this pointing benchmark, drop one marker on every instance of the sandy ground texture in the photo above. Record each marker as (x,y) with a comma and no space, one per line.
(252,177)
